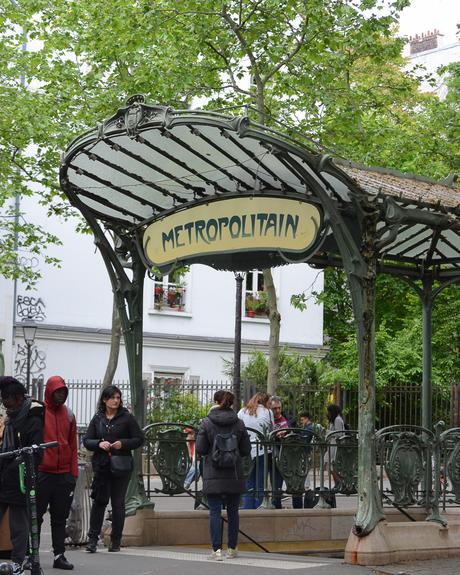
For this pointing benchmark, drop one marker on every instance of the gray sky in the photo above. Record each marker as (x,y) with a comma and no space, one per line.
(424,15)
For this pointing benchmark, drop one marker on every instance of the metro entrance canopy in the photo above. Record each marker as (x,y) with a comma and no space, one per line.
(149,161)
(187,186)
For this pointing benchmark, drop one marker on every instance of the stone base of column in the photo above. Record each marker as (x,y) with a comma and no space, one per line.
(404,541)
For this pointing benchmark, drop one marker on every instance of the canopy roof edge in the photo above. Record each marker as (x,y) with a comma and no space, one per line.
(146,161)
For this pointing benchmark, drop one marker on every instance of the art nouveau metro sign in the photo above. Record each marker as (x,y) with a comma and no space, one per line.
(228,226)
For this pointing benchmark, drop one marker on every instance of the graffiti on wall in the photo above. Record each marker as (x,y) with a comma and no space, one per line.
(29,307)
(37,362)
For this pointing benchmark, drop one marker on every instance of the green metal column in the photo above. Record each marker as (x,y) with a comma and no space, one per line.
(370,508)
(239,276)
(427,391)
(129,294)
(359,258)
(132,322)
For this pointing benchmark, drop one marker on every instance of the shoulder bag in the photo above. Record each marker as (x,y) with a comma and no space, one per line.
(120,465)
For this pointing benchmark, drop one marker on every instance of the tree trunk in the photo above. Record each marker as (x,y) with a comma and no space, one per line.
(274,340)
(115,341)
(269,286)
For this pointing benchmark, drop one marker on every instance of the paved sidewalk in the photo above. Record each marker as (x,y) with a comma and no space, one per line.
(193,561)
(173,560)
(434,567)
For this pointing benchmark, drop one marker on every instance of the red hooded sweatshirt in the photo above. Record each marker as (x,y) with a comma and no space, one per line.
(61,426)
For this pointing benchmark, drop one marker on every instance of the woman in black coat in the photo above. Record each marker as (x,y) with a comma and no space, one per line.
(112,434)
(223,484)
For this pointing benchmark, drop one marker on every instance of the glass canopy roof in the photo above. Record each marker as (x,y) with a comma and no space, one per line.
(148,161)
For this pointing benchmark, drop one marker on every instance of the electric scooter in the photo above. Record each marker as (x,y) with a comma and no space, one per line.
(28,485)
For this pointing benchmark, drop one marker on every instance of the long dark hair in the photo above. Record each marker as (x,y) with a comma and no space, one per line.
(107,393)
(333,410)
(224,398)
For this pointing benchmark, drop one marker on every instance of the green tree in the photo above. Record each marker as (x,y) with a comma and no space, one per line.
(414,132)
(331,68)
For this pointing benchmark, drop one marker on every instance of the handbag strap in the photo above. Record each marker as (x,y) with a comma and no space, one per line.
(101,427)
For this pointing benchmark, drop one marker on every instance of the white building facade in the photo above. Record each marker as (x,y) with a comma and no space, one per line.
(189,322)
(432,50)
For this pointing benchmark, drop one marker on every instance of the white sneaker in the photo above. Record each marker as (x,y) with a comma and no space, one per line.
(232,553)
(17,569)
(216,555)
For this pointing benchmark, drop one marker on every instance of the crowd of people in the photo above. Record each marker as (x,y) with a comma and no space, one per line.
(224,438)
(112,434)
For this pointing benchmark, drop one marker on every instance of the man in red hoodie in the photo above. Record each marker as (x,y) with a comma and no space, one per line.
(58,470)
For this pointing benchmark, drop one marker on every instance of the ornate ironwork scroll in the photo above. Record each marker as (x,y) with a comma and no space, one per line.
(405,468)
(450,444)
(292,458)
(171,459)
(345,464)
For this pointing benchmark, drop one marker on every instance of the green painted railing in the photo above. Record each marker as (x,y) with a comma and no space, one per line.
(417,467)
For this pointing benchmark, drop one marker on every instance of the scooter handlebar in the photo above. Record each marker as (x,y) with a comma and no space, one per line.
(29,448)
(48,444)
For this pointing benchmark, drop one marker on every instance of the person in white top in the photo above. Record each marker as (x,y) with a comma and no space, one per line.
(256,415)
(336,423)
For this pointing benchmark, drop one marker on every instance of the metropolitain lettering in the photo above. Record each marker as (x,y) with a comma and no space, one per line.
(258,225)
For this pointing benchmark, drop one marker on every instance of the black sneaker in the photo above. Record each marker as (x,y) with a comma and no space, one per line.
(61,562)
(114,546)
(91,547)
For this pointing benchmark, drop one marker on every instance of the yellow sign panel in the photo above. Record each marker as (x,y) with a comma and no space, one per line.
(232,225)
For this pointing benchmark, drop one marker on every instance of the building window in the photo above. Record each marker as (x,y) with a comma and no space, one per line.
(168,380)
(256,299)
(169,292)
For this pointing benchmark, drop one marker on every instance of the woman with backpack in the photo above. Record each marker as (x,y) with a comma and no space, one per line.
(223,439)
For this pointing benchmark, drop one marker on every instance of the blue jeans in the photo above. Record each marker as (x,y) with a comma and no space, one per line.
(255,485)
(193,474)
(232,503)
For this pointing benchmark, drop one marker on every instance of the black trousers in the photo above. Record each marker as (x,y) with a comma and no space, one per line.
(56,491)
(108,487)
(19,530)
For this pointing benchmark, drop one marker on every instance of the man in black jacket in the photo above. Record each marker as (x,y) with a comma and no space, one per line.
(23,427)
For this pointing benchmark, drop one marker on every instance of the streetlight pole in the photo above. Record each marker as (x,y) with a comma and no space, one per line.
(239,277)
(29,329)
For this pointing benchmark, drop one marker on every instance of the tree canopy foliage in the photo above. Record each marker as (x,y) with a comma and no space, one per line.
(327,70)
(65,63)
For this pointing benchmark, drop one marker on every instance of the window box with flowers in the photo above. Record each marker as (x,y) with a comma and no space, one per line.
(169,291)
(175,297)
(158,296)
(257,305)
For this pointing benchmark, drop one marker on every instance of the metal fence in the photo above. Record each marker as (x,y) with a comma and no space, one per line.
(416,468)
(188,401)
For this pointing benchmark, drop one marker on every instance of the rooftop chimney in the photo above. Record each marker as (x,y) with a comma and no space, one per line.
(427,41)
